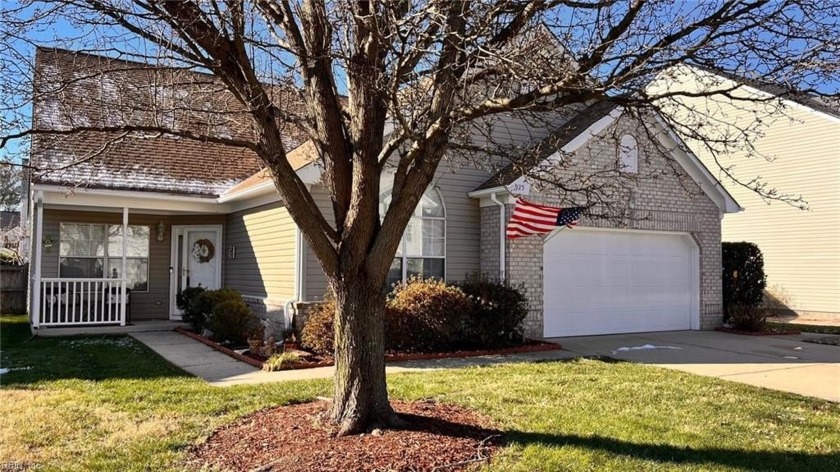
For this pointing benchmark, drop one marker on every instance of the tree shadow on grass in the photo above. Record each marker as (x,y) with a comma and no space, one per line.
(661,453)
(664,453)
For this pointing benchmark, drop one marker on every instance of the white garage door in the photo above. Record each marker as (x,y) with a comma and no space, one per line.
(602,282)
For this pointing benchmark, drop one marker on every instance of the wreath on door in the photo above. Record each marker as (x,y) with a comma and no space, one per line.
(203,251)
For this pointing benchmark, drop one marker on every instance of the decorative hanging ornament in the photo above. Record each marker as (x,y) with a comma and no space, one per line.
(203,251)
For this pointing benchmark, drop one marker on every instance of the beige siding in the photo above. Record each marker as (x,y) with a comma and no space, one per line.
(264,265)
(801,248)
(153,304)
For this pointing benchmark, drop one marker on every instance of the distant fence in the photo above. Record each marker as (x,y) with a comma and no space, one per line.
(13,282)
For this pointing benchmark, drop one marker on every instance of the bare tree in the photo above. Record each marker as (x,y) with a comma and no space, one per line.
(402,84)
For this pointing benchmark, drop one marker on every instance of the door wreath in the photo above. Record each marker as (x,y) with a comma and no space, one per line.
(203,251)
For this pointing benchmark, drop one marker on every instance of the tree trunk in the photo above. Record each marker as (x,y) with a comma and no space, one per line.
(360,400)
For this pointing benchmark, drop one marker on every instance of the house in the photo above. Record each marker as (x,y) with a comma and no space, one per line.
(139,218)
(797,152)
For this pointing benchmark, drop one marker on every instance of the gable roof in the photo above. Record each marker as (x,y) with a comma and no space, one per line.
(814,102)
(299,158)
(590,122)
(78,89)
(565,134)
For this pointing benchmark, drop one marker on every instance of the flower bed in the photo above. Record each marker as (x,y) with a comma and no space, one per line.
(311,361)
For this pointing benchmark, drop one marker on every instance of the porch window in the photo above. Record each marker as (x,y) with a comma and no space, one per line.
(422,251)
(94,251)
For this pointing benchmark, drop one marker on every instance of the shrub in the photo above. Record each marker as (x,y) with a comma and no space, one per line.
(743,275)
(496,315)
(318,334)
(425,315)
(185,300)
(747,317)
(231,321)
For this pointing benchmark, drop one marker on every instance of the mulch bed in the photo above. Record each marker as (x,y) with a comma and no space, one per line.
(769,332)
(300,438)
(310,360)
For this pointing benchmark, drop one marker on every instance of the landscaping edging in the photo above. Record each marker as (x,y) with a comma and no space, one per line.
(222,349)
(757,333)
(541,347)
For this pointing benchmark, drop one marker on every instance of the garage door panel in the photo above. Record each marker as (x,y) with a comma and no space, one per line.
(599,282)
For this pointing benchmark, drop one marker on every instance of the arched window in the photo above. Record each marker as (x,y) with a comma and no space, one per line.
(628,155)
(422,251)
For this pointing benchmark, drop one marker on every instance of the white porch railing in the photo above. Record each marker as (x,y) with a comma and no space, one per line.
(65,302)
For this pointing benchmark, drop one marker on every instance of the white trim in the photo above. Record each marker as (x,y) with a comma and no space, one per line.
(502,241)
(298,296)
(255,201)
(309,174)
(174,313)
(178,230)
(122,273)
(37,246)
(55,196)
(150,195)
(258,189)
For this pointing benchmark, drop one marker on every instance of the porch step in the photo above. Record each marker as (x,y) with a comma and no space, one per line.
(135,327)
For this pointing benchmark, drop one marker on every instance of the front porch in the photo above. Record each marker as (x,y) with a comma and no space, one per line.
(141,326)
(106,262)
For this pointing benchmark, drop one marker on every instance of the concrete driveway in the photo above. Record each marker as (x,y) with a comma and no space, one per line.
(777,362)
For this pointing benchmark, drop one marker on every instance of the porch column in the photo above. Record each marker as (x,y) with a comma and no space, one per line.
(123,273)
(36,292)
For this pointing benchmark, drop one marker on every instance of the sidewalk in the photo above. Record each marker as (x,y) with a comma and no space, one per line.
(221,370)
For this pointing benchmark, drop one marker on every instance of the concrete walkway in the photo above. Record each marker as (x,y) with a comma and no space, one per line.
(221,370)
(777,362)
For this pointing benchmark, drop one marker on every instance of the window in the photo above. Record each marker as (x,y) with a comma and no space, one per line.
(94,251)
(422,251)
(628,152)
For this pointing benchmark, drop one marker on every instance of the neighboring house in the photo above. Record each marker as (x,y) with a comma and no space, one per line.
(800,134)
(156,215)
(12,238)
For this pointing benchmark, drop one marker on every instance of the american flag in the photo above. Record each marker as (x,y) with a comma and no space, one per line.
(529,218)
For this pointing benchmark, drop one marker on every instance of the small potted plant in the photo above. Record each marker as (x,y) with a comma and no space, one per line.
(256,339)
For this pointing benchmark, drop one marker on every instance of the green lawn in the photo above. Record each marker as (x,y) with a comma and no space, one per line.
(107,403)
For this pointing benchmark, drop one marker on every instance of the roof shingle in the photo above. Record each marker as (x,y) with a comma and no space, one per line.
(76,89)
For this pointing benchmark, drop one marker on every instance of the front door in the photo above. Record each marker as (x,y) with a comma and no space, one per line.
(196,260)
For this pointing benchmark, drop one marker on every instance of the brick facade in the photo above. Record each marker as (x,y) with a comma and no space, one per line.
(660,197)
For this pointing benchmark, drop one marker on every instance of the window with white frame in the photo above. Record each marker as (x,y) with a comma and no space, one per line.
(94,251)
(422,250)
(628,152)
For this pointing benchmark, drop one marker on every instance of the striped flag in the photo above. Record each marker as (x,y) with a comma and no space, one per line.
(529,218)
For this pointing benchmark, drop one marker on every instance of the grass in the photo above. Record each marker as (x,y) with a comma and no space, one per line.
(806,328)
(107,403)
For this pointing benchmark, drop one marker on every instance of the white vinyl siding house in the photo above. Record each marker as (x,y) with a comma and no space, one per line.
(801,248)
